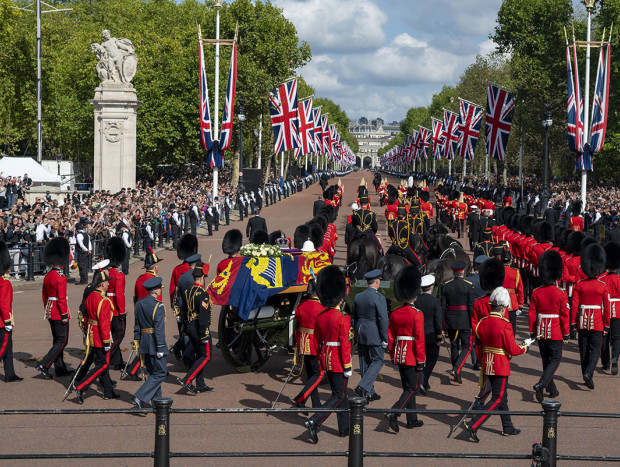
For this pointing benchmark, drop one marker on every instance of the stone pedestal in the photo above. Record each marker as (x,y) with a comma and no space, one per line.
(116,107)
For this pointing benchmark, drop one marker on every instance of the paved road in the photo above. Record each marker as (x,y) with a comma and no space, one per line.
(208,433)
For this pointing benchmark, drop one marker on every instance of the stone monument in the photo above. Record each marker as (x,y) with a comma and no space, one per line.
(116,105)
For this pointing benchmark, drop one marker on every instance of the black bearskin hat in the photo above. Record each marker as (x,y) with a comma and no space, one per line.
(425,196)
(188,246)
(576,208)
(587,240)
(593,260)
(317,234)
(507,216)
(274,236)
(392,194)
(56,251)
(5,258)
(516,222)
(573,242)
(612,249)
(232,241)
(564,240)
(407,283)
(550,267)
(115,251)
(302,233)
(322,220)
(545,232)
(331,286)
(526,225)
(329,212)
(412,192)
(327,195)
(491,274)
(260,237)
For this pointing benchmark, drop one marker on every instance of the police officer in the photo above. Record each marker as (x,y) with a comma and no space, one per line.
(433,322)
(194,216)
(457,300)
(83,251)
(128,245)
(216,213)
(370,322)
(150,342)
(406,341)
(175,225)
(199,311)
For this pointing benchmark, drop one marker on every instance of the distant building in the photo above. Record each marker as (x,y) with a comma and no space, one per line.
(371,137)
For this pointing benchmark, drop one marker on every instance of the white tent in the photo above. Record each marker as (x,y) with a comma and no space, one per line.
(18,166)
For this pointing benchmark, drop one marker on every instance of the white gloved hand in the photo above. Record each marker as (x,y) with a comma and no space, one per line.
(160,354)
(529,341)
(178,319)
(518,312)
(384,345)
(8,328)
(106,348)
(348,373)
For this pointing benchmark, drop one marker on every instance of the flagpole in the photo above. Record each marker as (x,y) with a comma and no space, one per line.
(586,129)
(260,140)
(464,168)
(216,136)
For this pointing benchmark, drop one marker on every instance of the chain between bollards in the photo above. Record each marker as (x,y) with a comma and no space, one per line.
(550,430)
(162,432)
(356,431)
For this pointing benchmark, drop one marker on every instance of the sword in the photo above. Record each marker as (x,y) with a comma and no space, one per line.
(124,372)
(72,383)
(462,418)
(283,386)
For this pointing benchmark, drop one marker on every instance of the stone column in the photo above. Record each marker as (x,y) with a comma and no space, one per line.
(116,107)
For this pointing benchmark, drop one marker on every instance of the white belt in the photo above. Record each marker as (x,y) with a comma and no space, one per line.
(614,300)
(405,338)
(332,344)
(547,316)
(111,295)
(590,307)
(52,299)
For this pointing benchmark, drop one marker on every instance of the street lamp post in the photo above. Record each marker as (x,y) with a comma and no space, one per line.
(241,116)
(546,123)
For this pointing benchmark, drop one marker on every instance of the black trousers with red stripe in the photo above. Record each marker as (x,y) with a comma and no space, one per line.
(314,375)
(6,352)
(499,401)
(551,354)
(338,383)
(85,378)
(118,333)
(460,345)
(409,381)
(60,336)
(202,356)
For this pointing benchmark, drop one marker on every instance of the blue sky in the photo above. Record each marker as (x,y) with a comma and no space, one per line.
(378,58)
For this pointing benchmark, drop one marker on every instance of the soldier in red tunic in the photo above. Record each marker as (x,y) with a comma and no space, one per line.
(332,331)
(98,312)
(512,283)
(496,345)
(306,346)
(549,321)
(576,221)
(151,265)
(590,310)
(115,252)
(56,254)
(406,344)
(612,279)
(6,316)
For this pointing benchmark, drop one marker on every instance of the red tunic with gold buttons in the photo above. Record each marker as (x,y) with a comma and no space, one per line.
(612,280)
(116,291)
(576,223)
(549,313)
(514,285)
(6,302)
(305,318)
(98,316)
(391,211)
(332,330)
(496,345)
(139,292)
(55,295)
(590,306)
(177,272)
(406,336)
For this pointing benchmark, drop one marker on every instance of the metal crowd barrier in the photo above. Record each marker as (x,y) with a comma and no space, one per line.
(546,455)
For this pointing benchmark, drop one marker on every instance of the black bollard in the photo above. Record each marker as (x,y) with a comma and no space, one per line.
(550,430)
(356,431)
(162,432)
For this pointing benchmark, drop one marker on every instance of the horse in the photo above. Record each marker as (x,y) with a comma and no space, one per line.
(391,265)
(445,247)
(323,183)
(376,183)
(362,257)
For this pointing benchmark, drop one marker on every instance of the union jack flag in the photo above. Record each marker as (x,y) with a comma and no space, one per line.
(306,126)
(409,148)
(438,144)
(417,143)
(229,108)
(450,133)
(325,134)
(500,109)
(333,142)
(574,105)
(425,141)
(318,135)
(601,101)
(284,116)
(469,129)
(205,115)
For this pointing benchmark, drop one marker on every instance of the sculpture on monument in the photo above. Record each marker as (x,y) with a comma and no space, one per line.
(117,59)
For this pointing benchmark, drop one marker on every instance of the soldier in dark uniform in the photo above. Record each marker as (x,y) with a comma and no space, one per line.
(364,223)
(199,311)
(457,300)
(181,351)
(433,322)
(402,236)
(150,339)
(406,342)
(485,247)
(485,222)
(473,221)
(115,252)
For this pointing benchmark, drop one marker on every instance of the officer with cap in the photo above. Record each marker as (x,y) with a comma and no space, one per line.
(370,322)
(150,340)
(433,322)
(458,302)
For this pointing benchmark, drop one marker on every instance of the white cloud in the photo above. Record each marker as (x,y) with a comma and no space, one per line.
(337,26)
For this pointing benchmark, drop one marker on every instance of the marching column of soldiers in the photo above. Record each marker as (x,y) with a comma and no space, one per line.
(568,281)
